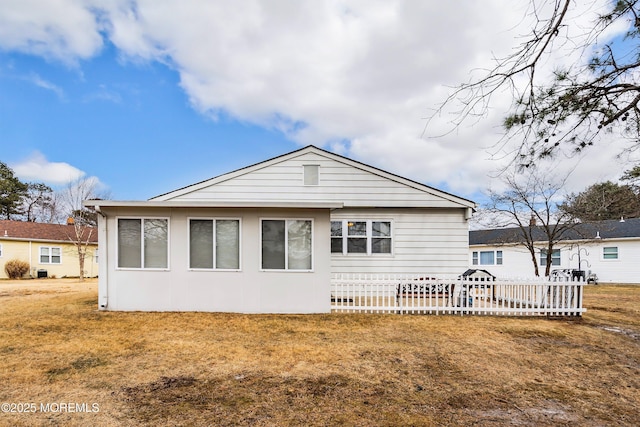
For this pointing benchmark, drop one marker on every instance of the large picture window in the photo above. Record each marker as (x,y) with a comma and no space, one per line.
(214,244)
(143,243)
(50,255)
(365,237)
(287,244)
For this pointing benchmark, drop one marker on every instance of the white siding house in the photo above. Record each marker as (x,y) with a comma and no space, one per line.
(266,238)
(609,249)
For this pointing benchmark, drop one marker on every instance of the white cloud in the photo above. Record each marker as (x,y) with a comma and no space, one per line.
(45,84)
(65,30)
(36,168)
(358,76)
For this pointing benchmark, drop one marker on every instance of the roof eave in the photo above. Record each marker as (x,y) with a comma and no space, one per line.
(211,204)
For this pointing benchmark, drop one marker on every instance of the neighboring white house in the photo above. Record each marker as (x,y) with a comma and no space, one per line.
(266,238)
(610,249)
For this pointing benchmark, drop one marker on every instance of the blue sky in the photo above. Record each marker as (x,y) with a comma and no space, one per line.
(148,96)
(130,125)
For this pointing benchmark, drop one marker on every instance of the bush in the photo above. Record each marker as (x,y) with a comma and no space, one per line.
(16,268)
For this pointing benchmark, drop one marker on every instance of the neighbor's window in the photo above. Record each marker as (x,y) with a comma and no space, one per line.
(50,255)
(311,174)
(143,243)
(486,258)
(361,237)
(287,244)
(610,252)
(214,244)
(555,257)
(0,251)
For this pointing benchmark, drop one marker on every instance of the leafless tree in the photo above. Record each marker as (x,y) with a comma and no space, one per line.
(571,107)
(529,205)
(83,220)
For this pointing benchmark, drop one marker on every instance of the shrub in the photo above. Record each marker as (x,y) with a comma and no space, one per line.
(16,268)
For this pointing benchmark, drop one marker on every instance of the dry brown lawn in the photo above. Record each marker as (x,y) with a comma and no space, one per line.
(184,369)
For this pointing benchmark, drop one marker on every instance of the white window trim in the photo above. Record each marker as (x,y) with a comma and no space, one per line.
(141,268)
(478,257)
(0,250)
(50,255)
(214,219)
(369,237)
(286,246)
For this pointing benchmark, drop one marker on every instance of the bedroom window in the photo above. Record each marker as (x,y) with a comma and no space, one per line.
(361,237)
(143,243)
(287,244)
(214,244)
(50,255)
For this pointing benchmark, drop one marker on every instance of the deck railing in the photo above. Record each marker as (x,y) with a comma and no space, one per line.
(401,293)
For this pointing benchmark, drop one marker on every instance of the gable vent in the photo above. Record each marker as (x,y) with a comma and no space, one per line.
(311,174)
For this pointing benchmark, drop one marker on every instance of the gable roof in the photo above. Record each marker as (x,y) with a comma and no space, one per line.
(610,229)
(25,230)
(188,191)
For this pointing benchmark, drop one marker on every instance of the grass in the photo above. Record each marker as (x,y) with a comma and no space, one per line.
(340,369)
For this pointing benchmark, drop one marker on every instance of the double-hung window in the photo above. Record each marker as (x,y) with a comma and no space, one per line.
(287,244)
(361,237)
(214,244)
(50,255)
(143,243)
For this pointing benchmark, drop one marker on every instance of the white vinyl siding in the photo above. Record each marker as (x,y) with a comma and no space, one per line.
(337,182)
(424,241)
(50,255)
(143,243)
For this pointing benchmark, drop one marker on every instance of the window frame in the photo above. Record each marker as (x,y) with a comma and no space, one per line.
(497,257)
(142,246)
(0,250)
(604,253)
(286,246)
(50,255)
(543,258)
(368,236)
(215,220)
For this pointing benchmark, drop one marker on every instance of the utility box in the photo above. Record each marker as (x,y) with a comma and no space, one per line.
(42,274)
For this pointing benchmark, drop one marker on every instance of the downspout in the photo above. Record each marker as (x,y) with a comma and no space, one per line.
(103,261)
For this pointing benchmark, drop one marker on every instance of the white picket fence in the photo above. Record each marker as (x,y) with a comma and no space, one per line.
(402,293)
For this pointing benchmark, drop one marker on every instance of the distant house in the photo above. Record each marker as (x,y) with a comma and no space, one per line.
(610,249)
(267,238)
(48,249)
